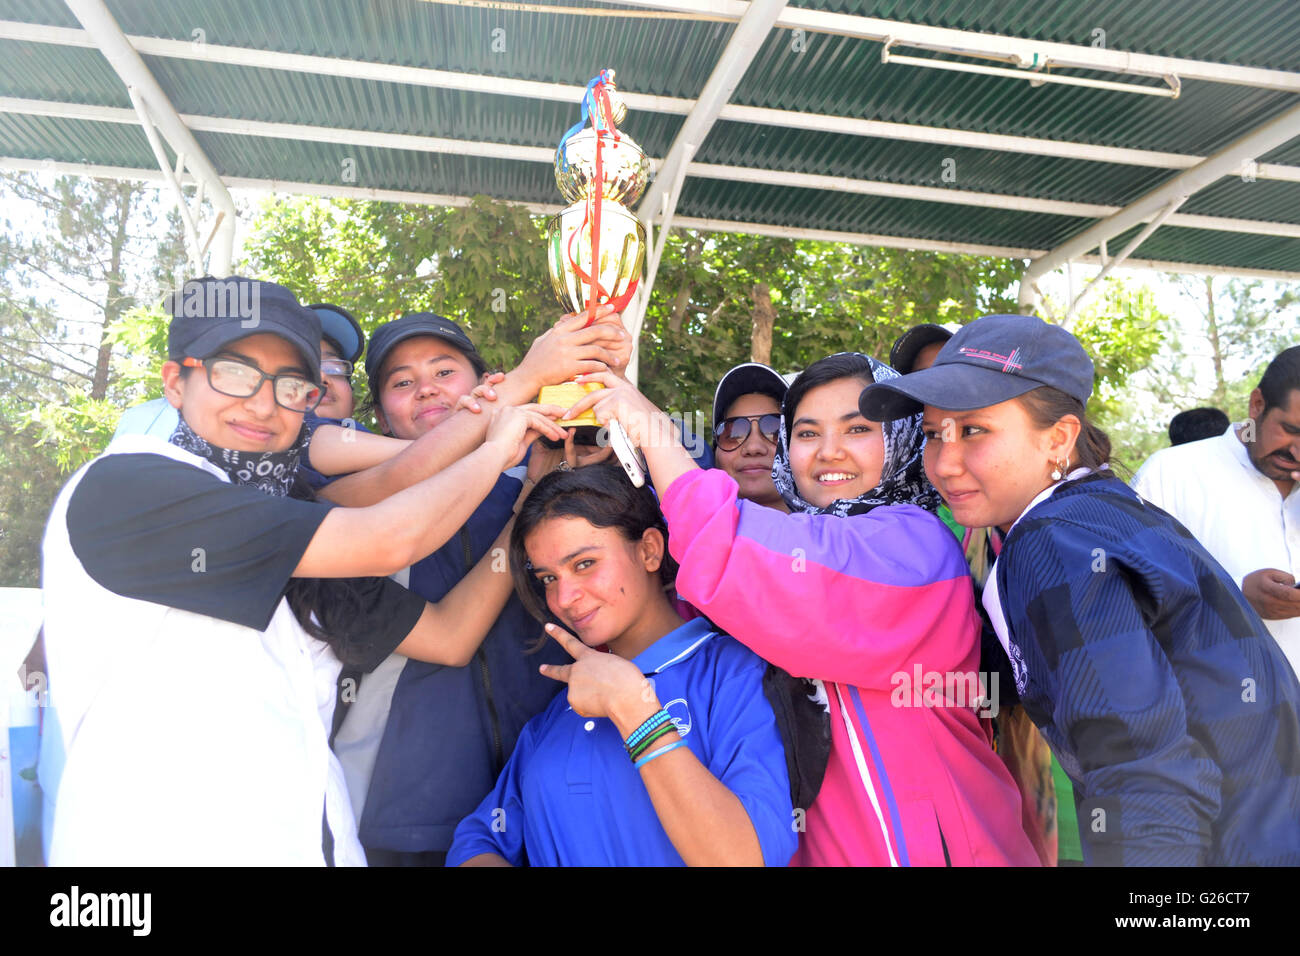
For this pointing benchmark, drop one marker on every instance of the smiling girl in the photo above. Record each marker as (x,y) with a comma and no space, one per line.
(190,694)
(863,589)
(665,750)
(1166,701)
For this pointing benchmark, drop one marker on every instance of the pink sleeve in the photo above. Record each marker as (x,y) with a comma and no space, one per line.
(854,600)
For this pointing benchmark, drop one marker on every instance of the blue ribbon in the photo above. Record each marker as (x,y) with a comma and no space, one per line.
(588,97)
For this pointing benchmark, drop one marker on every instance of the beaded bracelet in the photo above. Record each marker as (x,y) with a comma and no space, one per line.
(657,719)
(646,759)
(638,749)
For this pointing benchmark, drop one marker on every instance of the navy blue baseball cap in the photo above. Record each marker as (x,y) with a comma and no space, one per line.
(339,326)
(409,326)
(906,348)
(745,379)
(993,360)
(210,313)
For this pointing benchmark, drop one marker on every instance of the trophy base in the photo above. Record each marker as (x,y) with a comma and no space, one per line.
(566,395)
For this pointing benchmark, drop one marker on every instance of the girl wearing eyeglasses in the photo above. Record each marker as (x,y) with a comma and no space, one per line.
(863,589)
(190,696)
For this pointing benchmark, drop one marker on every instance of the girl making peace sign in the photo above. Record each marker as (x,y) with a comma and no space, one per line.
(664,751)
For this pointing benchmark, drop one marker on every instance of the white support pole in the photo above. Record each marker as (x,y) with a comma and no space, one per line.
(746,40)
(1077,303)
(661,197)
(652,266)
(124,59)
(1268,137)
(172,178)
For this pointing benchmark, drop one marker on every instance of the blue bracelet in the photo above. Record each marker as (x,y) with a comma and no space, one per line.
(651,756)
(658,718)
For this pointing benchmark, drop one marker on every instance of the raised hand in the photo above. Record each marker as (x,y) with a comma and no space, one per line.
(620,400)
(483,391)
(572,347)
(602,685)
(515,427)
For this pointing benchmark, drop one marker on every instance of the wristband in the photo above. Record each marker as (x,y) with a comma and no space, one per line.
(646,759)
(656,719)
(638,749)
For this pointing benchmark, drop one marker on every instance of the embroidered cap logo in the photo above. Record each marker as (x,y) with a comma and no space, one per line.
(1010,363)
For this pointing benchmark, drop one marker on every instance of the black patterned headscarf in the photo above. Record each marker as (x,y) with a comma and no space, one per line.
(271,472)
(902,477)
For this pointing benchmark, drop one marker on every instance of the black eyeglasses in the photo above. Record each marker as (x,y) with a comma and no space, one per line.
(732,432)
(241,380)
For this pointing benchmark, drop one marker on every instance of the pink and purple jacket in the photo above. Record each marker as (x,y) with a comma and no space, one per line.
(866,604)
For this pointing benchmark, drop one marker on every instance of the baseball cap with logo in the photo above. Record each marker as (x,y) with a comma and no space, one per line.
(210,313)
(992,360)
(390,334)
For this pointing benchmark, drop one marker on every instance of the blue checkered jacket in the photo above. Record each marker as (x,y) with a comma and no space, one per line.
(1166,700)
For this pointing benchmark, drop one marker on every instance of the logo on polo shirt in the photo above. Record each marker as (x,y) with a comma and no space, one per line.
(1009,363)
(680,712)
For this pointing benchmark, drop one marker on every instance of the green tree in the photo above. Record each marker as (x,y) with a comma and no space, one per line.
(76,257)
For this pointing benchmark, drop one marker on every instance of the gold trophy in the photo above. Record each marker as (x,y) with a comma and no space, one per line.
(595,246)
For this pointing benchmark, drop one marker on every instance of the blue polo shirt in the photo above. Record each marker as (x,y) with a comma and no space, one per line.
(569,796)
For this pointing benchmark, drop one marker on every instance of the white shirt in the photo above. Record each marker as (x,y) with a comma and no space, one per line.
(188,739)
(1237,513)
(992,600)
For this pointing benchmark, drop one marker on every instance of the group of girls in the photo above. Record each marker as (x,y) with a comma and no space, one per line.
(732,696)
(1169,705)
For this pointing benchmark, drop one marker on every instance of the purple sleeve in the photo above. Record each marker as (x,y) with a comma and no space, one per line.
(855,600)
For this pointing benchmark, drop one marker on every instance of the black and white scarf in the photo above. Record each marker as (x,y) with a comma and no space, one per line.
(270,471)
(902,478)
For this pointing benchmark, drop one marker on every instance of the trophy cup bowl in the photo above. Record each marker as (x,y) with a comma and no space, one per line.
(568,247)
(624,168)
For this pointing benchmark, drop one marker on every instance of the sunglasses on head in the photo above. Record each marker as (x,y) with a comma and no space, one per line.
(732,432)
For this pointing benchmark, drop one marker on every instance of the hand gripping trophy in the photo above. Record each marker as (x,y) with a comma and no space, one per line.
(596,246)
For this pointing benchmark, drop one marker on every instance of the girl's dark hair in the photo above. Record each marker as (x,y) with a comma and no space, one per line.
(1047,406)
(330,609)
(829,369)
(602,496)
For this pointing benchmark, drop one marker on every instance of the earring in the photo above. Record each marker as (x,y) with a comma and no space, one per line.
(1056,473)
(1061,468)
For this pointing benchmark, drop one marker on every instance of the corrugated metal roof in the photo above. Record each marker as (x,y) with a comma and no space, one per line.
(1251,34)
(828,74)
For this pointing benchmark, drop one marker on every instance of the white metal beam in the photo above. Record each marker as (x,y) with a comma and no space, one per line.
(1077,302)
(126,62)
(1015,49)
(745,42)
(19,164)
(817,122)
(661,197)
(1272,134)
(774,177)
